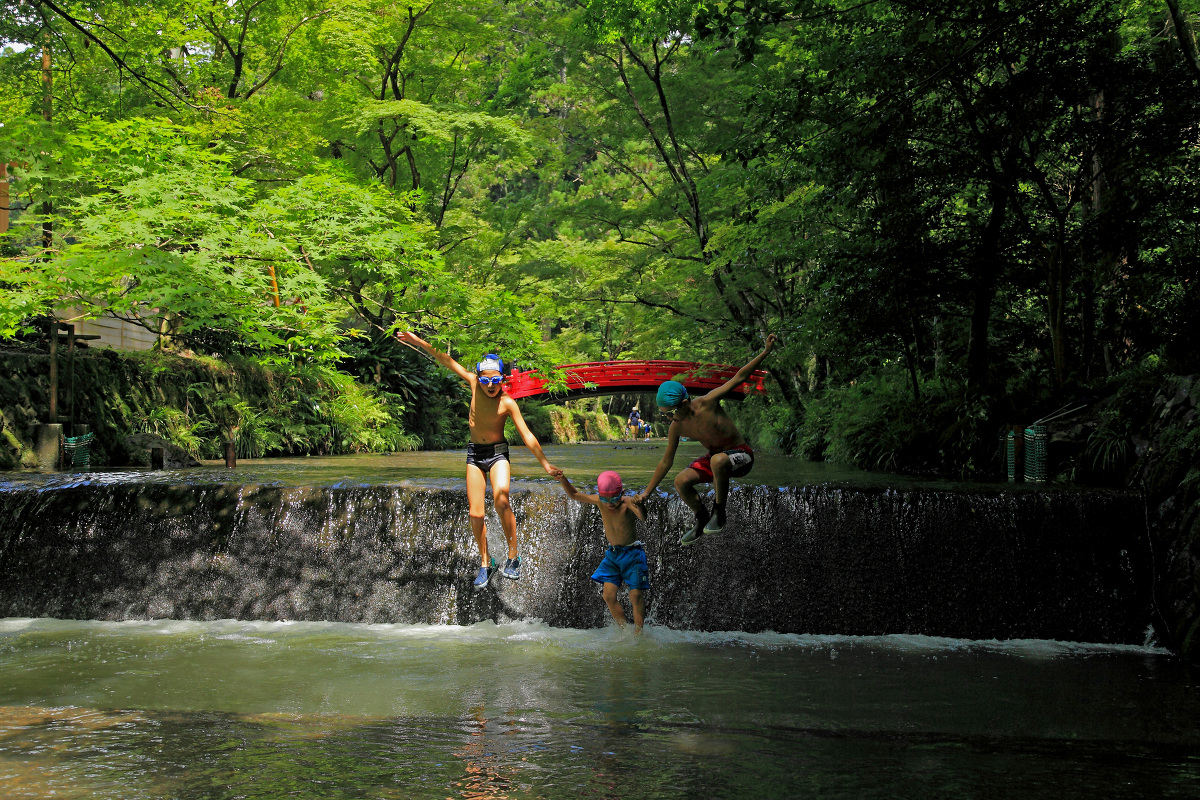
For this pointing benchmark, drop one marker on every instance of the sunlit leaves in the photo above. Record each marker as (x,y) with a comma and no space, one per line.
(153,228)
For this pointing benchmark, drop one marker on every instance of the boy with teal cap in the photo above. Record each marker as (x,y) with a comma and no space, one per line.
(487,451)
(729,456)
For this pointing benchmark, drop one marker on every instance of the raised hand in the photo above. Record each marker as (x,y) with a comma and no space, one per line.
(412,340)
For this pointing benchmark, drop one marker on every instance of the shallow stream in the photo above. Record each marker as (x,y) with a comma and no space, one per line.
(521,709)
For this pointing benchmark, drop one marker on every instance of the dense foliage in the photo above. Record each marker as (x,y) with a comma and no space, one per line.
(958,214)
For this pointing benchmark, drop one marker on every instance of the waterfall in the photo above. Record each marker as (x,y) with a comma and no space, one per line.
(977,564)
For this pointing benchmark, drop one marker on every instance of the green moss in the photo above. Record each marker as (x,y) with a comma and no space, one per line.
(199,402)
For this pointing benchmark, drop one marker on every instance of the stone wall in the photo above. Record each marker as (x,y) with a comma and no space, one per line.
(113,392)
(978,565)
(1167,448)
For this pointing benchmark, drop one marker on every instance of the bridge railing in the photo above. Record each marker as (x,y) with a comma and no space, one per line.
(613,377)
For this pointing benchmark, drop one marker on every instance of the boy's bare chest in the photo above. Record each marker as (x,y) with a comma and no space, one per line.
(486,420)
(620,526)
(711,428)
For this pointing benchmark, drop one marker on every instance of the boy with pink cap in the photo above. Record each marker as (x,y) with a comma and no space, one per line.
(625,558)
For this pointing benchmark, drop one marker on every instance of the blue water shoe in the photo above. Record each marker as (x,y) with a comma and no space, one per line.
(485,574)
(716,523)
(697,530)
(512,569)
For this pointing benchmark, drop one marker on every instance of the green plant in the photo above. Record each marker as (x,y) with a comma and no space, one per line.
(178,427)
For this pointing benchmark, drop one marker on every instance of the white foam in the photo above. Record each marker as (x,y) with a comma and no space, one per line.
(538,632)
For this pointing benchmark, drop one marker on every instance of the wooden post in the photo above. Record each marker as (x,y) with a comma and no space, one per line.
(274,285)
(71,373)
(230,454)
(53,372)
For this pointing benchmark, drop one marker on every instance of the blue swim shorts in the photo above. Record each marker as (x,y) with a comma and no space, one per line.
(624,563)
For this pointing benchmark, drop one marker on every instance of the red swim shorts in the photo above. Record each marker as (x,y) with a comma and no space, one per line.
(741,459)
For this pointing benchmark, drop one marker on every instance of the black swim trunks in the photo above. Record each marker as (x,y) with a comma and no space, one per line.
(485,456)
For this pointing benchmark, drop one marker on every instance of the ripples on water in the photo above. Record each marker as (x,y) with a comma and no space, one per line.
(266,710)
(582,462)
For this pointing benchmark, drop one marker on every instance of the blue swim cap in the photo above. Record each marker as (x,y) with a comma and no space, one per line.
(490,361)
(671,394)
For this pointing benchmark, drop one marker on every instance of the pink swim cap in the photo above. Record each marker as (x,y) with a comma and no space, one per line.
(609,484)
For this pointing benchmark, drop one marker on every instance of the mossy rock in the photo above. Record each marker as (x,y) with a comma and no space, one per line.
(138,446)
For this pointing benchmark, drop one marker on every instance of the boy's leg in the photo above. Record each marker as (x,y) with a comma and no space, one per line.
(721,467)
(476,490)
(614,608)
(501,476)
(639,608)
(685,483)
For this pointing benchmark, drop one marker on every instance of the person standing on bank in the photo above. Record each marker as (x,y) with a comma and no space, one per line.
(729,455)
(487,452)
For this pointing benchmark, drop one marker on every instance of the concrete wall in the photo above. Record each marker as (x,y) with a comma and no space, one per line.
(117,334)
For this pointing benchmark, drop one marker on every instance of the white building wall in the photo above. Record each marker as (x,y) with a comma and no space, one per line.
(117,334)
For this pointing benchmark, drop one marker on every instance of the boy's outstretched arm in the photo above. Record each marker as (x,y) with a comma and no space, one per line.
(664,465)
(743,374)
(527,436)
(417,343)
(574,493)
(636,506)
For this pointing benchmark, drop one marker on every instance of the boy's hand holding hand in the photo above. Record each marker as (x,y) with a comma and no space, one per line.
(552,470)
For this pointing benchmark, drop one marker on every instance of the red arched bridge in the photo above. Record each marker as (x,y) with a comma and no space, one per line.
(618,377)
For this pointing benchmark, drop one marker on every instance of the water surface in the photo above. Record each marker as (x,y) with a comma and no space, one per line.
(635,461)
(267,710)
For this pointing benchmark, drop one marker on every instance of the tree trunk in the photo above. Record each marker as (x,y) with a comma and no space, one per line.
(911,363)
(1183,32)
(987,275)
(1056,313)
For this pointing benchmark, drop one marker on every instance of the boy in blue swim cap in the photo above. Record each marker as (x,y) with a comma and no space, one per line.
(487,452)
(729,456)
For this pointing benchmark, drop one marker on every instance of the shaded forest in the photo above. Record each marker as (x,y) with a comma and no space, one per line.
(958,215)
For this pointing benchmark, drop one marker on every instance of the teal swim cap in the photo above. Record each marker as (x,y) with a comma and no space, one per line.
(671,394)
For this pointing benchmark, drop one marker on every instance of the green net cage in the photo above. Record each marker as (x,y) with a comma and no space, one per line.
(1036,437)
(77,450)
(1011,457)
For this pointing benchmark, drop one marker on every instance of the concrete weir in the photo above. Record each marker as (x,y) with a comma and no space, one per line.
(977,564)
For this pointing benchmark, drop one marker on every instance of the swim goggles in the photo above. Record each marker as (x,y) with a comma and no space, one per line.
(495,380)
(611,500)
